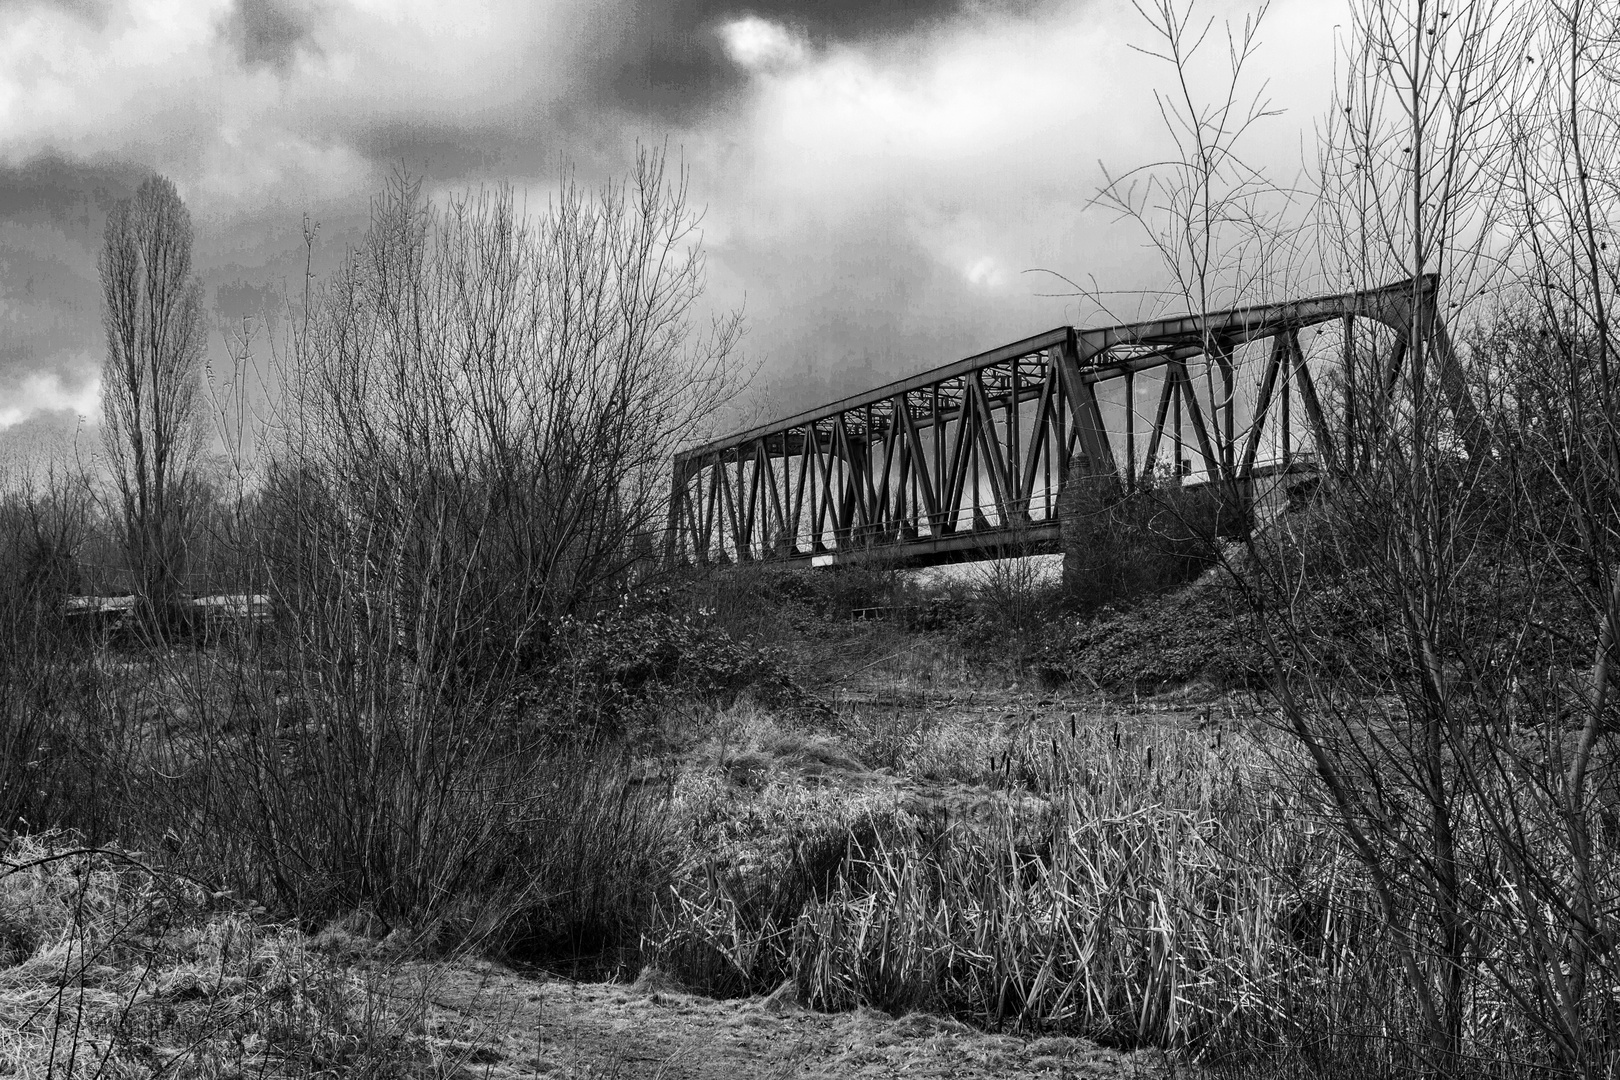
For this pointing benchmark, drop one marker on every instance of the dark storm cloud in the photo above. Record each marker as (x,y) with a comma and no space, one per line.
(52,312)
(664,58)
(72,196)
(270,33)
(441,151)
(52,213)
(859,305)
(249,300)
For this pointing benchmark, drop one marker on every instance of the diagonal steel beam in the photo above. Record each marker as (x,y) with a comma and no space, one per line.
(990,447)
(1280,347)
(1166,390)
(1188,396)
(1087,417)
(1325,448)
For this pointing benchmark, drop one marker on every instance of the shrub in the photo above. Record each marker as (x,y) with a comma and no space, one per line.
(608,675)
(45,520)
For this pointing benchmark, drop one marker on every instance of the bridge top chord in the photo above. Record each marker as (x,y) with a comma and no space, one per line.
(1156,341)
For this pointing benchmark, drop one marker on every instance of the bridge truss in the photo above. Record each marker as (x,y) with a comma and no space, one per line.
(967,460)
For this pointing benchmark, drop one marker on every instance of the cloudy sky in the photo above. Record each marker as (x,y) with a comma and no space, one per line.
(879,176)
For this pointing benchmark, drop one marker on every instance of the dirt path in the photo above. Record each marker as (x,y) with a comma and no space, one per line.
(509,1026)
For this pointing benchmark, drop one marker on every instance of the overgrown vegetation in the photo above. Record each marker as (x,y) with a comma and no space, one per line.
(110,966)
(1366,821)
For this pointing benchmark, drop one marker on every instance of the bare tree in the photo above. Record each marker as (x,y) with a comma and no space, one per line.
(1405,194)
(152,312)
(46,519)
(1550,360)
(1426,614)
(1218,224)
(1443,620)
(479,409)
(1213,218)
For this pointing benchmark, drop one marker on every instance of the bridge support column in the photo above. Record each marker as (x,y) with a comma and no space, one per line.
(1116,544)
(1083,519)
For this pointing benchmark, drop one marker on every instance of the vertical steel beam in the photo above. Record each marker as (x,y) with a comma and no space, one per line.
(732,503)
(1180,449)
(1287,429)
(927,484)
(1130,431)
(1062,437)
(895,513)
(995,459)
(970,409)
(797,518)
(943,488)
(961,452)
(1226,409)
(778,503)
(1038,438)
(672,519)
(825,510)
(884,516)
(712,529)
(869,485)
(749,510)
(1350,418)
(1019,494)
(851,510)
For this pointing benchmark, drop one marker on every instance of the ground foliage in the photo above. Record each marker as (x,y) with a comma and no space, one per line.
(612,674)
(110,966)
(1200,633)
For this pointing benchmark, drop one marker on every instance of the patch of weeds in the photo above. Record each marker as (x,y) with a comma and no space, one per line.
(754,860)
(120,969)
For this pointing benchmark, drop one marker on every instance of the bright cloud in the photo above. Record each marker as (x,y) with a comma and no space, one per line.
(167,84)
(875,185)
(761,45)
(985,272)
(45,392)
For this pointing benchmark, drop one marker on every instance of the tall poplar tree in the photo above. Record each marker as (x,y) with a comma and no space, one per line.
(152,312)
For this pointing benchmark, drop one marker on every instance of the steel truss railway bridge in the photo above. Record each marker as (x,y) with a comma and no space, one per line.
(969,460)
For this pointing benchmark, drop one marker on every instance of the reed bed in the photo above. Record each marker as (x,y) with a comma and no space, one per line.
(1152,884)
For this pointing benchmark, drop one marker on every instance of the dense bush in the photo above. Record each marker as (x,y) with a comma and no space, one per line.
(611,674)
(44,523)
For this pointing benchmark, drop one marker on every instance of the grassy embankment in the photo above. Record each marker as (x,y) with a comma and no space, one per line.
(736,784)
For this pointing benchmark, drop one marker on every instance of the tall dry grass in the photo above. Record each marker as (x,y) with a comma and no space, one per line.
(111,967)
(1146,883)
